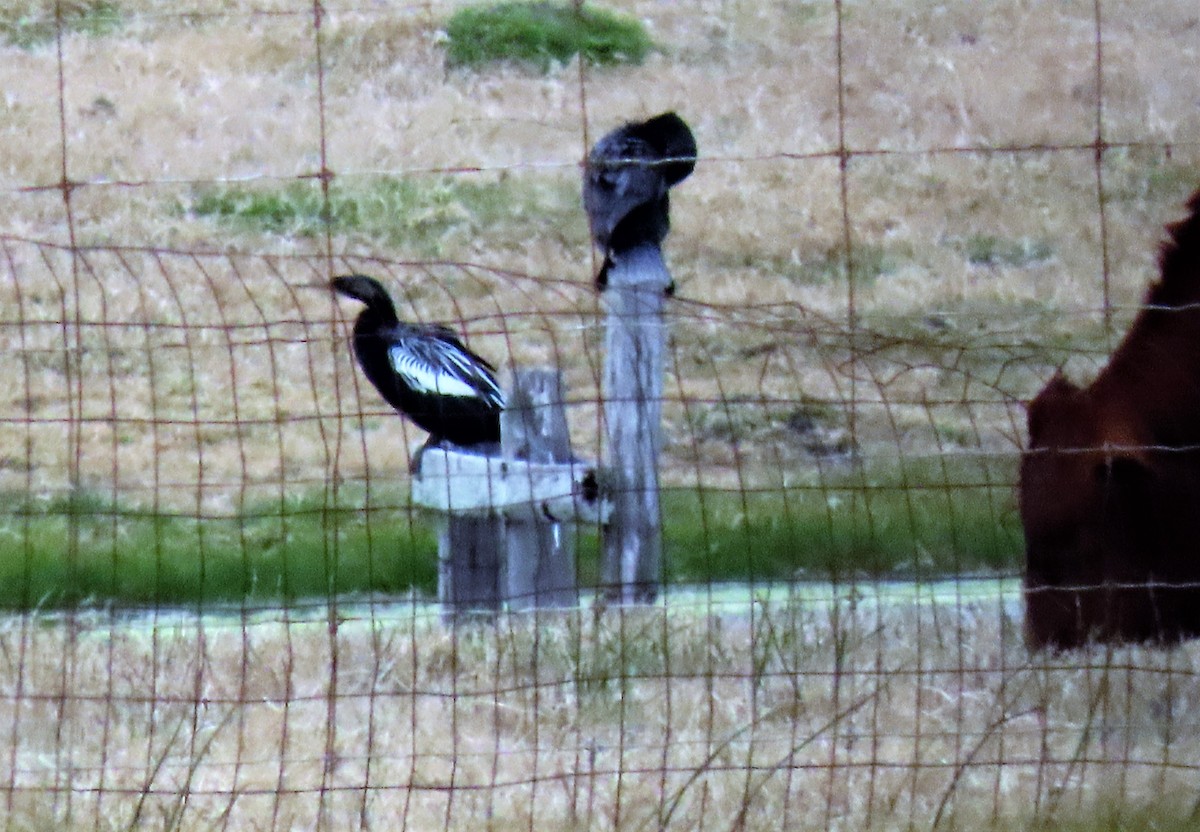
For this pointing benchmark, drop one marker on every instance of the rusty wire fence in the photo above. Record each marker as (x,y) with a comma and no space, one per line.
(220,601)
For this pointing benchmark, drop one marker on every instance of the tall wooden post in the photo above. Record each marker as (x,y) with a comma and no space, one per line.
(539,551)
(633,391)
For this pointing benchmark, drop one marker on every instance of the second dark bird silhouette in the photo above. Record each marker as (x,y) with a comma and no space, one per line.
(424,371)
(626,180)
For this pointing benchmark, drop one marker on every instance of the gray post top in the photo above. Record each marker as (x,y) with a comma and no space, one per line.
(638,267)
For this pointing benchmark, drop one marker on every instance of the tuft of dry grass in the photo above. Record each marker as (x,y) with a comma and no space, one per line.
(792,712)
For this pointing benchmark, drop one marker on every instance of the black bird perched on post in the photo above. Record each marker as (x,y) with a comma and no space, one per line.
(424,370)
(625,184)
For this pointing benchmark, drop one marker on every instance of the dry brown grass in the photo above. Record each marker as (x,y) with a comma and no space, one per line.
(792,715)
(194,380)
(228,92)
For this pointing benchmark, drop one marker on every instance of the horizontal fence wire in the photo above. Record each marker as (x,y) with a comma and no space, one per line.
(220,601)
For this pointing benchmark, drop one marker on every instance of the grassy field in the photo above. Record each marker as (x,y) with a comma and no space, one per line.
(87,548)
(877,324)
(788,713)
(905,216)
(900,309)
(969,275)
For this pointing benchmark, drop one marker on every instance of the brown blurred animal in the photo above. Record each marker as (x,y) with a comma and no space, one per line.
(1110,484)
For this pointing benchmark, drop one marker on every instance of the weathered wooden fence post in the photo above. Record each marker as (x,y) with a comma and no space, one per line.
(502,539)
(633,390)
(539,553)
(469,573)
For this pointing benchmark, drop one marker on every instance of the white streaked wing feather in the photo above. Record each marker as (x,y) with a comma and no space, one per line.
(425,377)
(434,366)
(487,389)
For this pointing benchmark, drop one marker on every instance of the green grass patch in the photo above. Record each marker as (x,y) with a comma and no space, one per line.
(741,418)
(988,250)
(867,263)
(86,549)
(987,338)
(1169,815)
(1147,176)
(30,25)
(542,34)
(417,213)
(920,520)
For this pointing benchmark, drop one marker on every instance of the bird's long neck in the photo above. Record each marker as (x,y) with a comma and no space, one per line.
(646,223)
(378,313)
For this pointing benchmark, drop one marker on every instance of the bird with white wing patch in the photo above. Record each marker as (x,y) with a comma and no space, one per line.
(424,370)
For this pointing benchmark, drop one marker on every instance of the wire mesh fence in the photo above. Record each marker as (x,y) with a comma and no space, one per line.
(221,602)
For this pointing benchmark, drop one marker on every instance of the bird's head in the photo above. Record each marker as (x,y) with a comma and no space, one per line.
(359,287)
(671,141)
(366,289)
(627,176)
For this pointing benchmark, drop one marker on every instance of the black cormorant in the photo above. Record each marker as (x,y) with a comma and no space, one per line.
(625,184)
(424,370)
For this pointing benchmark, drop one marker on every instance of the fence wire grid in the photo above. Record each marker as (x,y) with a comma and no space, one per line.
(220,603)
